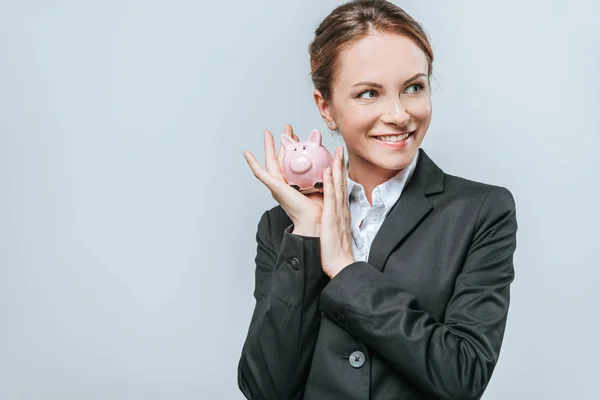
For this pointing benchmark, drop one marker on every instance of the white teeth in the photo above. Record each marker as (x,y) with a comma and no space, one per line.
(393,139)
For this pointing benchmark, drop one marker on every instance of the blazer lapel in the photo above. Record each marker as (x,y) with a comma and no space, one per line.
(410,209)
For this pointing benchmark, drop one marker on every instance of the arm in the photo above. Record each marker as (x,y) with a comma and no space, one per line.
(450,360)
(278,349)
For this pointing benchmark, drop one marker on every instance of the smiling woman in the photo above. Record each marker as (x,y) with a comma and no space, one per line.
(395,282)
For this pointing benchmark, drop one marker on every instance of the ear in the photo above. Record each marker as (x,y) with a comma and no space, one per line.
(288,142)
(323,106)
(315,137)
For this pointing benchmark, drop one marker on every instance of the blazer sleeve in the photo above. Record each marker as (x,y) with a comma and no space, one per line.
(280,341)
(449,360)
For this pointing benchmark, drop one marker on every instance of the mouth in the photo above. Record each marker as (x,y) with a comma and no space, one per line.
(395,138)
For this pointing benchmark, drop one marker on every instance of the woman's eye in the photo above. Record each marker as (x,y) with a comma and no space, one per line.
(362,95)
(418,87)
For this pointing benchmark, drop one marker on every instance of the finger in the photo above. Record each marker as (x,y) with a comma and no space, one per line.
(290,131)
(328,193)
(346,210)
(280,154)
(270,160)
(259,172)
(287,129)
(338,180)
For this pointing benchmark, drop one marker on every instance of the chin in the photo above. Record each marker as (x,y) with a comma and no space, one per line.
(396,165)
(396,160)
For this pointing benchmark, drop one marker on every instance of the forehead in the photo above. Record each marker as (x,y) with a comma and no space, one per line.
(380,57)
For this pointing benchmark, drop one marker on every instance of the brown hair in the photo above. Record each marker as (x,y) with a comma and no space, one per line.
(350,22)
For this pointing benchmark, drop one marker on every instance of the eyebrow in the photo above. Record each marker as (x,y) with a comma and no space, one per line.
(377,85)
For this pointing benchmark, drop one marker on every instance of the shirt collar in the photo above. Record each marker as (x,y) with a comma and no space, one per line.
(389,190)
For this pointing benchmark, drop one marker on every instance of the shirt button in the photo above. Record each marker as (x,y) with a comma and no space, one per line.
(340,316)
(295,263)
(357,359)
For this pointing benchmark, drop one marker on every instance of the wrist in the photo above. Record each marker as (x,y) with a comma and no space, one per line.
(340,266)
(307,229)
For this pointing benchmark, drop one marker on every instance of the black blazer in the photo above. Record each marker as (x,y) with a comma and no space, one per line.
(424,318)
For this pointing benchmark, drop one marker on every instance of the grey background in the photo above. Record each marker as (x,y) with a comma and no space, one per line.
(128,214)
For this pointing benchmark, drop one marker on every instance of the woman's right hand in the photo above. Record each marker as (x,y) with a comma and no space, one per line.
(304,210)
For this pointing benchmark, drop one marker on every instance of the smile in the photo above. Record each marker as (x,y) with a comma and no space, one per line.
(394,139)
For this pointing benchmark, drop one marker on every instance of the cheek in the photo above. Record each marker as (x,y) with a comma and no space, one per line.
(356,118)
(421,109)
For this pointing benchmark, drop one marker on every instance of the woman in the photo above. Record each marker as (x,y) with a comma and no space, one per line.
(394,283)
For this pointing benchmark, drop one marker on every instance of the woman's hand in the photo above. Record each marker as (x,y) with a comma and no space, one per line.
(336,233)
(304,210)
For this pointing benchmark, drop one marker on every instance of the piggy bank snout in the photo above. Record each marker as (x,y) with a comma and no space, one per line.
(300,164)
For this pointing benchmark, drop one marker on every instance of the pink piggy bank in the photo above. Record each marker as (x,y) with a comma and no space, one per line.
(303,163)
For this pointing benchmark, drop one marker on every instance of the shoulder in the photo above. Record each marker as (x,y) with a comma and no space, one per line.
(459,192)
(456,186)
(486,203)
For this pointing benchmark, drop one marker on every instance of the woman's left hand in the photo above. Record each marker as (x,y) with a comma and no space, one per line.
(336,234)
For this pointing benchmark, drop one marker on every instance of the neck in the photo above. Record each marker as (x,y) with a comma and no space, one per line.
(367,174)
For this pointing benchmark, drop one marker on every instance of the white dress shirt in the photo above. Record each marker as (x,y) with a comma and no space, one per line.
(383,198)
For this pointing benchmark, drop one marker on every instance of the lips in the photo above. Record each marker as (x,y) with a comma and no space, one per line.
(393,138)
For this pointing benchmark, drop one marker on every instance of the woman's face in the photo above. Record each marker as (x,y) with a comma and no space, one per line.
(382,92)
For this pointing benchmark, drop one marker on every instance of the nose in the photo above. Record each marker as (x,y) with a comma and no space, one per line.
(300,164)
(395,113)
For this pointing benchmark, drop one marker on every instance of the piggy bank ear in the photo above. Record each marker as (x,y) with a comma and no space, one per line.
(288,142)
(315,137)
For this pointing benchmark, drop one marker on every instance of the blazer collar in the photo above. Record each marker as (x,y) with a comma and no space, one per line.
(409,211)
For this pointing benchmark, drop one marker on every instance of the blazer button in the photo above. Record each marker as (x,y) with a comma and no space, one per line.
(357,359)
(295,263)
(340,316)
